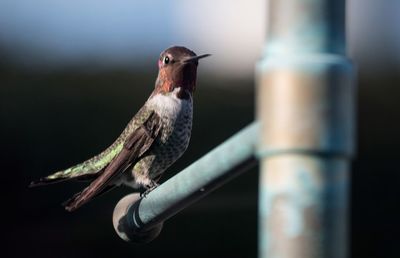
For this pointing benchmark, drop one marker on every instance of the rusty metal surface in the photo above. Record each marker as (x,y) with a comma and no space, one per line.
(304,206)
(305,105)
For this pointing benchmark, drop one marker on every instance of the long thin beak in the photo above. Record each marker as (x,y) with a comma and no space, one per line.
(195,58)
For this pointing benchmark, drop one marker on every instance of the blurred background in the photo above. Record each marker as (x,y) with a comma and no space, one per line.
(72,74)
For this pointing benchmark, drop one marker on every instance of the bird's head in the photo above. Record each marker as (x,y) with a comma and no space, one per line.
(177,69)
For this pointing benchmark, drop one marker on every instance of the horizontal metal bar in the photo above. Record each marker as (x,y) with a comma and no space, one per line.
(140,219)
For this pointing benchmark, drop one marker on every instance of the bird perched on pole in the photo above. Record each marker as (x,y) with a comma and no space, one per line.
(152,141)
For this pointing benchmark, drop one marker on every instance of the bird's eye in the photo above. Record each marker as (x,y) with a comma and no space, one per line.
(166,60)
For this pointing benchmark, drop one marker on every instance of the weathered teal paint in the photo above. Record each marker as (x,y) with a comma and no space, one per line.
(305,99)
(305,26)
(217,167)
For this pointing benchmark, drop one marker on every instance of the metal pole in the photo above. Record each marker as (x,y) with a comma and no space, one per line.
(305,106)
(140,219)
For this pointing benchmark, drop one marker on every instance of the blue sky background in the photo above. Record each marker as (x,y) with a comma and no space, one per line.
(48,33)
(72,30)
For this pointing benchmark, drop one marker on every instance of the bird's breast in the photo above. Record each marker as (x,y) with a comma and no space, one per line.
(176,118)
(172,109)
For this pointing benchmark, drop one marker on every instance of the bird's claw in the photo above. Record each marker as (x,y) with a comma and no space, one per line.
(148,188)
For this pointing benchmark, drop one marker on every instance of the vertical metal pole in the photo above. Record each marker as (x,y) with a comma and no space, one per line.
(306,108)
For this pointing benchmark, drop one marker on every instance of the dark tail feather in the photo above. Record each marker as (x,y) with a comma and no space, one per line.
(83,197)
(45,181)
(71,200)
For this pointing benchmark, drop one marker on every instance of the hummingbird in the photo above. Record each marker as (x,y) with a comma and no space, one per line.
(152,141)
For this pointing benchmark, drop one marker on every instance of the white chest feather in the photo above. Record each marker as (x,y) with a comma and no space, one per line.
(169,107)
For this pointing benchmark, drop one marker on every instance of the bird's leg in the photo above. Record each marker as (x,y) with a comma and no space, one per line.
(148,188)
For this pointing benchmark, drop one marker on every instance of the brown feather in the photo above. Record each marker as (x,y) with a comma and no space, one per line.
(134,148)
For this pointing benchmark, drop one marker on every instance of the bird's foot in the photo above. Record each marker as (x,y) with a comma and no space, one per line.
(148,188)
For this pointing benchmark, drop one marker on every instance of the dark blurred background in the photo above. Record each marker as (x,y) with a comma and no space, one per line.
(73,73)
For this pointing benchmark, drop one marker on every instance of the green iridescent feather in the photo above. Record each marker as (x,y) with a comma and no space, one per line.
(98,163)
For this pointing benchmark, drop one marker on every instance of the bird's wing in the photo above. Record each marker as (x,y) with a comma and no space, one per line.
(93,167)
(135,145)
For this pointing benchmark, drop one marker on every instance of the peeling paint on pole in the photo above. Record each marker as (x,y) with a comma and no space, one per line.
(305,104)
(304,202)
